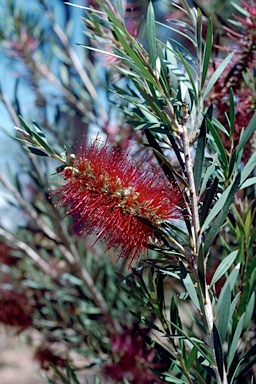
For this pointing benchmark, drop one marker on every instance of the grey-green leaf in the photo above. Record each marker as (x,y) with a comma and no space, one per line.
(216,75)
(151,35)
(223,267)
(199,157)
(235,340)
(222,215)
(189,285)
(207,51)
(223,315)
(249,310)
(245,137)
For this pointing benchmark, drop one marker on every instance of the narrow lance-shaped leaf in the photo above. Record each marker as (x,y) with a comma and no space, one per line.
(223,314)
(223,267)
(249,311)
(235,340)
(218,350)
(209,172)
(248,168)
(191,358)
(250,353)
(36,151)
(199,32)
(221,202)
(207,51)
(217,73)
(222,215)
(222,154)
(120,9)
(231,112)
(25,126)
(151,35)
(209,196)
(245,137)
(201,269)
(189,285)
(199,157)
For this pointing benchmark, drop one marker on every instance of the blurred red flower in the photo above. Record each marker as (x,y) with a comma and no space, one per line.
(117,199)
(133,359)
(15,308)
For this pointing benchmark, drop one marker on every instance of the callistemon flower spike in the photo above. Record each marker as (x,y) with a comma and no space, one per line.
(113,197)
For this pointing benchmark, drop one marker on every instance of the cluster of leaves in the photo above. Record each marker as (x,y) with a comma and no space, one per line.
(201,334)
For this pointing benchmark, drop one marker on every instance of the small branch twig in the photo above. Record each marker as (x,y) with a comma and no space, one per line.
(10,109)
(41,263)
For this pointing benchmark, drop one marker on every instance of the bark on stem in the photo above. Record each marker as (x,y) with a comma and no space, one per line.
(207,306)
(193,196)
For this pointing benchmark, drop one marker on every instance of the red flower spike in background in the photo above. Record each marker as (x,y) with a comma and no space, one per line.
(114,198)
(15,308)
(133,359)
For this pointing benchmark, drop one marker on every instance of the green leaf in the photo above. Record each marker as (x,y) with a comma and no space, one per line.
(219,204)
(248,168)
(208,200)
(210,170)
(159,348)
(232,163)
(245,136)
(168,168)
(167,378)
(235,340)
(199,157)
(251,352)
(185,35)
(222,215)
(218,350)
(223,267)
(160,292)
(233,306)
(218,125)
(191,358)
(174,314)
(159,156)
(139,67)
(151,33)
(248,183)
(36,151)
(193,340)
(217,73)
(201,269)
(249,311)
(207,51)
(231,112)
(120,9)
(143,320)
(223,312)
(25,126)
(231,280)
(189,71)
(71,374)
(222,153)
(236,370)
(189,285)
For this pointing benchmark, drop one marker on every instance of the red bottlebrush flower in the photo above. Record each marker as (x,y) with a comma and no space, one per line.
(15,308)
(117,199)
(133,359)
